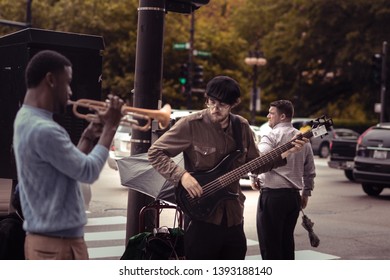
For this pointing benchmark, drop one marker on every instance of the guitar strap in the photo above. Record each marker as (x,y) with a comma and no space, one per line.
(237,132)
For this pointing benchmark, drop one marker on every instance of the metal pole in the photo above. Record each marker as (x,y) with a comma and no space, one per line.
(254,95)
(147,93)
(28,13)
(384,116)
(190,62)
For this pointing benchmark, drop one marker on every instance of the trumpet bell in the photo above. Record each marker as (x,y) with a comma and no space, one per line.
(165,119)
(162,116)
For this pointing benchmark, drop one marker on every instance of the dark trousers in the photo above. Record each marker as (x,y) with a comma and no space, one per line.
(205,241)
(277,215)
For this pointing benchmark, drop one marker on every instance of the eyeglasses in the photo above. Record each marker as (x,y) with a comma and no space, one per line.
(211,103)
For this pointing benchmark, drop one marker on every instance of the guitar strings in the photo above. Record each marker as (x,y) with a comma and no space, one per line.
(228,178)
(234,175)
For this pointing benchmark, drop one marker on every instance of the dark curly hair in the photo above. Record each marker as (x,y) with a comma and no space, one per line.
(42,63)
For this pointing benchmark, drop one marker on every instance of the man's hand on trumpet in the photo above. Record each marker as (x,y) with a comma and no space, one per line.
(110,119)
(105,128)
(113,115)
(89,137)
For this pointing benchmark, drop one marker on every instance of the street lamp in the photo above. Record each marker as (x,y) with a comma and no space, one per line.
(255,59)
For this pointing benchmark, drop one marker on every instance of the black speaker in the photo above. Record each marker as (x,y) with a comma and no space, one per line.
(16,49)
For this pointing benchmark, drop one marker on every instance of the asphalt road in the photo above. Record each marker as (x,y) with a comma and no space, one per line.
(350,224)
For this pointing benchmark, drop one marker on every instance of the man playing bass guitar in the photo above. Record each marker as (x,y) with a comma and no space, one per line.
(206,138)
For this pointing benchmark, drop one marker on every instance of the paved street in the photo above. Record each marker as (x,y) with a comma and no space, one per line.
(106,229)
(106,236)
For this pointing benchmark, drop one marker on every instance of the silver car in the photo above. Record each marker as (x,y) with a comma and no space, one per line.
(121,145)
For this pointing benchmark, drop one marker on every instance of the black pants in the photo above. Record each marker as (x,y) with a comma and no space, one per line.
(277,214)
(205,241)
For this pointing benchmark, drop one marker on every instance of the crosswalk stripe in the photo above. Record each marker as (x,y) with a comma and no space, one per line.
(105,235)
(106,252)
(313,255)
(302,255)
(117,251)
(323,163)
(114,220)
(250,242)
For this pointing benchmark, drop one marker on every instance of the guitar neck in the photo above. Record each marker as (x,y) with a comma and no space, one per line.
(256,163)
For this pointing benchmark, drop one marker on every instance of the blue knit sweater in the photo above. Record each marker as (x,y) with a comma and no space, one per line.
(49,167)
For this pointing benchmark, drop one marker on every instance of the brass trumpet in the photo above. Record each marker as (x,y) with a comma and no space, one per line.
(162,115)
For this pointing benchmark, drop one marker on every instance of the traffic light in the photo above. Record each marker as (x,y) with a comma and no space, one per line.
(377,68)
(183,78)
(197,78)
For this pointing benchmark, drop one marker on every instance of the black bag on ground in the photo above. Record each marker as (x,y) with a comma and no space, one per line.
(163,244)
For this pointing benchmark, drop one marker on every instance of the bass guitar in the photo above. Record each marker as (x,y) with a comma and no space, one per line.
(215,181)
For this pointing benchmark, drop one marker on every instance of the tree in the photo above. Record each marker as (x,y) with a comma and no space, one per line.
(319,52)
(214,32)
(115,21)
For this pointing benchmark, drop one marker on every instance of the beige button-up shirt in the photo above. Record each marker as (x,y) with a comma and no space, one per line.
(204,144)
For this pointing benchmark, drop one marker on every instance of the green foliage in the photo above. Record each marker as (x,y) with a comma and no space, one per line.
(318,52)
(115,21)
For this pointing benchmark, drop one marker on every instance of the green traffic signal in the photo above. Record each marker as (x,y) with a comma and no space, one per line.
(183,77)
(182,80)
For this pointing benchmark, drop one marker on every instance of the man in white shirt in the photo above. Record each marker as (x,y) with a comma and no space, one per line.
(280,200)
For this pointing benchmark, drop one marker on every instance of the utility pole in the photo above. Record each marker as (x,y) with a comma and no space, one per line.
(148,86)
(147,94)
(28,13)
(255,59)
(385,111)
(190,62)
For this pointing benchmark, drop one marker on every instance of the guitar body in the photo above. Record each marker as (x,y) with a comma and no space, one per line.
(200,208)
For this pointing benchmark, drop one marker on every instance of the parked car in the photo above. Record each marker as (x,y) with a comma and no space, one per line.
(346,133)
(343,150)
(372,160)
(121,145)
(257,132)
(320,145)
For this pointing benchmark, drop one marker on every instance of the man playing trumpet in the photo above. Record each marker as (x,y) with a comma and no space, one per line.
(49,166)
